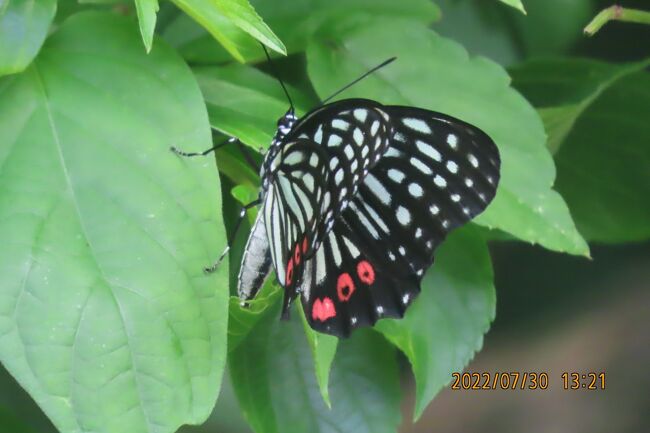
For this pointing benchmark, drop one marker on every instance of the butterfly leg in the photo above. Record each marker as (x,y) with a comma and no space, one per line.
(179,152)
(240,219)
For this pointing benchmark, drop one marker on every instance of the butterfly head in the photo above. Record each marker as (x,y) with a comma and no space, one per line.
(285,124)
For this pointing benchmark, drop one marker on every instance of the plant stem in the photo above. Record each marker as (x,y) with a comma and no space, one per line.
(617,13)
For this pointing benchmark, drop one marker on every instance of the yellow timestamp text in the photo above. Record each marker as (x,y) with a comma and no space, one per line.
(499,380)
(588,381)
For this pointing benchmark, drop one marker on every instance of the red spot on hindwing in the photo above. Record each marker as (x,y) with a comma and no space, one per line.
(345,287)
(289,277)
(304,245)
(296,254)
(323,310)
(366,272)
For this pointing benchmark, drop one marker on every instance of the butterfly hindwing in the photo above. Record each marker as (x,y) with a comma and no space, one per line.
(347,285)
(437,174)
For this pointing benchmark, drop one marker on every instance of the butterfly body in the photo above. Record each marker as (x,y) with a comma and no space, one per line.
(355,198)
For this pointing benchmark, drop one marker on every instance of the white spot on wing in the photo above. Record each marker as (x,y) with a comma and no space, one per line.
(318,137)
(420,165)
(334,140)
(357,135)
(452,141)
(395,175)
(340,124)
(349,151)
(415,190)
(360,114)
(440,181)
(377,188)
(403,215)
(472,159)
(428,150)
(452,166)
(338,177)
(309,181)
(417,125)
(374,127)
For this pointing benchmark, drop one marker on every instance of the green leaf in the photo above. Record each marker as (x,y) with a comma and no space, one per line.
(223,18)
(243,318)
(146,10)
(444,327)
(246,103)
(517,4)
(106,317)
(323,348)
(592,115)
(299,21)
(23,28)
(273,377)
(473,89)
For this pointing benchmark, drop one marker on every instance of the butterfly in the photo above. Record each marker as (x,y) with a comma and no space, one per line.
(355,198)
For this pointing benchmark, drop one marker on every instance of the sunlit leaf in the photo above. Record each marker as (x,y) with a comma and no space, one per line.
(226,19)
(106,317)
(297,22)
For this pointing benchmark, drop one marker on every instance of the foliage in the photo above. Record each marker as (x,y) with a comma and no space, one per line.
(106,318)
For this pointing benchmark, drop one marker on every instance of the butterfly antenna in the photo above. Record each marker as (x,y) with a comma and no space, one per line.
(375,69)
(277,75)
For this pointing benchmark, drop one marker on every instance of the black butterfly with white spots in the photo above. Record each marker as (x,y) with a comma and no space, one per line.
(355,197)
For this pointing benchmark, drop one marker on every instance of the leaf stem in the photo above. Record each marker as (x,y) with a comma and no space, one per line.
(617,13)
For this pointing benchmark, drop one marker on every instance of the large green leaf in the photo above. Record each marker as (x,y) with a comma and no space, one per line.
(106,317)
(23,27)
(225,20)
(444,327)
(273,376)
(593,114)
(473,89)
(296,22)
